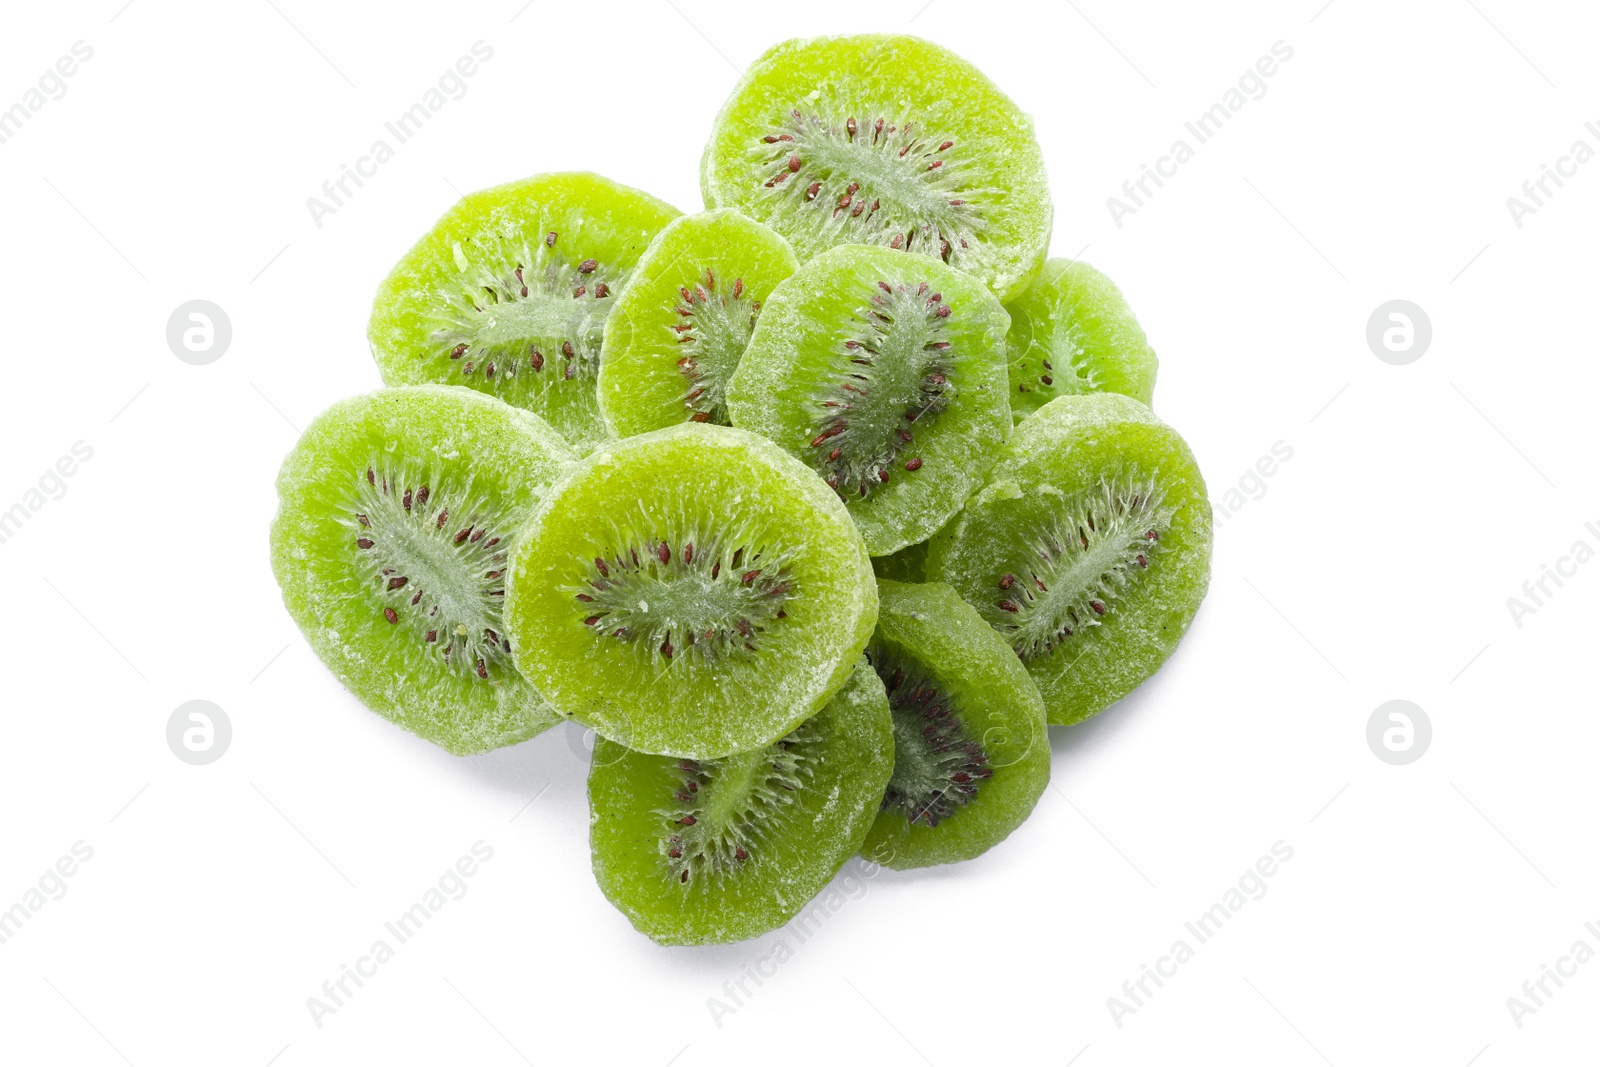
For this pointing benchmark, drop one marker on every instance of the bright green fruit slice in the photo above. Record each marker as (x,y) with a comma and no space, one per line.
(692,591)
(676,333)
(885,374)
(697,852)
(396,514)
(508,294)
(887,140)
(1073,333)
(971,752)
(1089,550)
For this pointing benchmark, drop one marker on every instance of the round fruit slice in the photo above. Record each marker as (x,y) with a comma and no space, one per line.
(508,294)
(971,751)
(692,591)
(676,333)
(1073,333)
(1089,550)
(396,513)
(886,374)
(698,852)
(886,140)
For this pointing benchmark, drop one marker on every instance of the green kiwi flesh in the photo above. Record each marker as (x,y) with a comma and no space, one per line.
(889,140)
(508,294)
(692,591)
(1071,333)
(699,852)
(1089,549)
(972,753)
(885,374)
(396,513)
(676,333)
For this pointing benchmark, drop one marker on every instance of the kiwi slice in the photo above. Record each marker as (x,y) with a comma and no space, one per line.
(971,752)
(885,374)
(692,591)
(700,851)
(1073,333)
(1089,549)
(508,294)
(676,333)
(397,512)
(887,140)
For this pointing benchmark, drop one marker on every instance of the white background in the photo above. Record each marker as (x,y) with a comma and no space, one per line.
(1376,566)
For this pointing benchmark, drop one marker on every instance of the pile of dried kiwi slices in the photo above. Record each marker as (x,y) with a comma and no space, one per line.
(818,506)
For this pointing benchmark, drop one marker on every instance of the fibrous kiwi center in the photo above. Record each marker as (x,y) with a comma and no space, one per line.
(713,326)
(938,766)
(428,547)
(522,314)
(702,597)
(884,181)
(891,373)
(1063,351)
(1078,562)
(723,813)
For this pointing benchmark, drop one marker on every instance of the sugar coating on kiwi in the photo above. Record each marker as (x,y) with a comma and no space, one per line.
(509,293)
(888,140)
(397,512)
(1089,550)
(676,333)
(692,591)
(971,749)
(885,374)
(1072,333)
(710,851)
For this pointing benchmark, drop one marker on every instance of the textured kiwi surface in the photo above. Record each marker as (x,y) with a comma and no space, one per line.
(708,851)
(397,512)
(509,292)
(1089,549)
(677,331)
(1072,333)
(888,140)
(886,375)
(692,591)
(971,751)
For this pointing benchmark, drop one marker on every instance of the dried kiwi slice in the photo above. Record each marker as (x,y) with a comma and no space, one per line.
(676,333)
(1072,333)
(697,852)
(396,514)
(887,140)
(1089,550)
(886,374)
(508,294)
(692,591)
(971,752)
